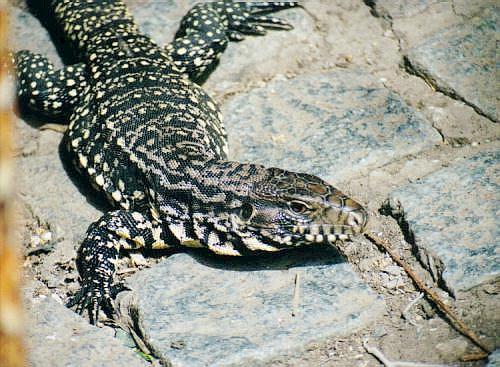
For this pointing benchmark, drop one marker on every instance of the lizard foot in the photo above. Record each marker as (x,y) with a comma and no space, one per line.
(251,19)
(96,295)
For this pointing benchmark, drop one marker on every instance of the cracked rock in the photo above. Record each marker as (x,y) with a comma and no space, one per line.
(56,336)
(335,125)
(461,61)
(451,216)
(208,311)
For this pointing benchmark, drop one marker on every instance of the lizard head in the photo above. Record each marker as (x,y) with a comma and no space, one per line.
(286,209)
(274,209)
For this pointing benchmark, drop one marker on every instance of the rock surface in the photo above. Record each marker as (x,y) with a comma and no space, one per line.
(294,46)
(61,206)
(47,179)
(462,61)
(452,215)
(325,124)
(23,37)
(239,312)
(57,337)
(494,359)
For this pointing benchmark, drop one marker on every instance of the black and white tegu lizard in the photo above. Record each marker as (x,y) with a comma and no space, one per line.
(152,140)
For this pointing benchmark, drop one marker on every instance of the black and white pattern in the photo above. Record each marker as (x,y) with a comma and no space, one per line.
(152,140)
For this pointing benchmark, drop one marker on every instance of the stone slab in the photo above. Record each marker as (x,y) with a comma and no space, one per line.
(159,19)
(453,215)
(260,58)
(279,51)
(396,9)
(29,34)
(400,8)
(59,204)
(336,125)
(494,359)
(462,61)
(213,311)
(54,198)
(57,337)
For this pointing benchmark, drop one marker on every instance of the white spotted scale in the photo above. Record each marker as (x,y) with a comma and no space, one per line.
(148,136)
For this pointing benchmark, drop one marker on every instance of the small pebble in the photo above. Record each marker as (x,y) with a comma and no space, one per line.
(46,236)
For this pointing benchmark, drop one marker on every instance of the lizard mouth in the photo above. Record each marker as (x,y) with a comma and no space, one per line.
(312,233)
(330,239)
(329,233)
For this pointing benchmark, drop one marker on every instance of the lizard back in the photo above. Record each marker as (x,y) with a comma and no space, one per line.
(139,113)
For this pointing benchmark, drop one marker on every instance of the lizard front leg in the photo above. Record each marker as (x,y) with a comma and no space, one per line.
(52,92)
(99,251)
(206,29)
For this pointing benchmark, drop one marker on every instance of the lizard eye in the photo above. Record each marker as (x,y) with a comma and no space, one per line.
(246,211)
(298,206)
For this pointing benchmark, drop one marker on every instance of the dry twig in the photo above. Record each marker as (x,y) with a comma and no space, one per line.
(54,127)
(388,363)
(455,321)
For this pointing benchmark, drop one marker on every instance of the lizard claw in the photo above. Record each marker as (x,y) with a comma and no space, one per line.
(270,6)
(249,18)
(95,295)
(271,22)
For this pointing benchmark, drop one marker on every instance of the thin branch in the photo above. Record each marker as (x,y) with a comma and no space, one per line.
(455,321)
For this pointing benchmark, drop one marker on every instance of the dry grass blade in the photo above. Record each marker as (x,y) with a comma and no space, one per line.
(388,363)
(296,295)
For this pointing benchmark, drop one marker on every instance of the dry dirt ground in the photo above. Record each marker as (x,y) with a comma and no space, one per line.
(351,35)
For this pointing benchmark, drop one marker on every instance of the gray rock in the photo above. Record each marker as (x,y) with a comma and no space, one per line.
(396,9)
(159,19)
(56,336)
(452,216)
(237,312)
(57,204)
(472,8)
(461,61)
(494,359)
(29,34)
(53,197)
(400,8)
(336,125)
(240,64)
(262,58)
(450,348)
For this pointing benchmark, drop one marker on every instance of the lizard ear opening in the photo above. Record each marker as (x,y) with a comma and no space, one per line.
(246,212)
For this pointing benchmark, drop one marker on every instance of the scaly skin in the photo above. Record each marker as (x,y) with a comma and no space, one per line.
(152,140)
